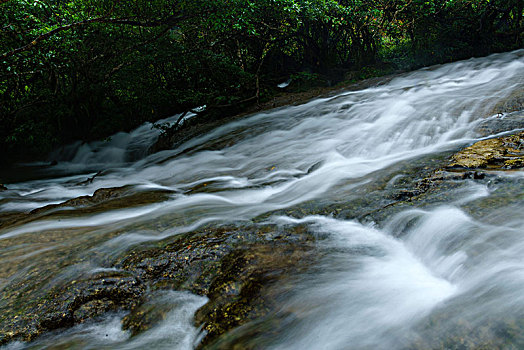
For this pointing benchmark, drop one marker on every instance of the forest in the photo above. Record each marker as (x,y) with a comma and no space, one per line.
(261,174)
(82,70)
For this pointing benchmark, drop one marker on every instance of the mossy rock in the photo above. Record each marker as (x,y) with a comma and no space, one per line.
(506,152)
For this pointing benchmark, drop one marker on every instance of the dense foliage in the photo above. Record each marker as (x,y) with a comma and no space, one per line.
(84,69)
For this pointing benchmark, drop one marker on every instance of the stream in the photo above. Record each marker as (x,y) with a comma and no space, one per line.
(418,276)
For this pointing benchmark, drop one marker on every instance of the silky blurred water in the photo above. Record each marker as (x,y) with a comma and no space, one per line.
(377,285)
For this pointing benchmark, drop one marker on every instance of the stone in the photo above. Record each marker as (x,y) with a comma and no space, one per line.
(506,152)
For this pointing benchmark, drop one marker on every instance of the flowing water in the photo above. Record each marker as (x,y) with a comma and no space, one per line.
(411,279)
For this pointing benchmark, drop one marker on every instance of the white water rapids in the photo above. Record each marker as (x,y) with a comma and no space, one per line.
(378,284)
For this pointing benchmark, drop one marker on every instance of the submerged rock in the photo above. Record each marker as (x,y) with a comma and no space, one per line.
(110,198)
(242,290)
(102,200)
(480,162)
(513,102)
(443,330)
(501,123)
(70,304)
(472,163)
(239,268)
(233,266)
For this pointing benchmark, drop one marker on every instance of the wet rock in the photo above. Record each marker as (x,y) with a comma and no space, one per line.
(432,181)
(512,103)
(188,263)
(110,198)
(480,162)
(475,175)
(73,303)
(93,308)
(242,289)
(144,317)
(502,153)
(2,188)
(99,196)
(505,152)
(237,268)
(443,330)
(234,267)
(501,123)
(102,200)
(238,271)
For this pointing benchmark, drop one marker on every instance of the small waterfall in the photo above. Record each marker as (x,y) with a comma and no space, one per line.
(380,285)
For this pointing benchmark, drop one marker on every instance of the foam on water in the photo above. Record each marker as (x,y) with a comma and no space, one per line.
(174,330)
(370,286)
(374,286)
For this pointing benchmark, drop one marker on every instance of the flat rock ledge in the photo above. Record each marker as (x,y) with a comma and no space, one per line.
(504,153)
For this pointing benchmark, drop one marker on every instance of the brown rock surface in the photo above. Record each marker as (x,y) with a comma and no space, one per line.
(506,152)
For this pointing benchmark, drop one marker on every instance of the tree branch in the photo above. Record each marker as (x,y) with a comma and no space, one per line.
(119,21)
